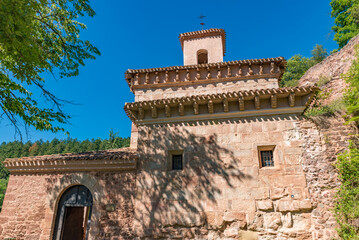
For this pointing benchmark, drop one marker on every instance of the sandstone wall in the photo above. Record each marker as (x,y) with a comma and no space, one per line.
(222,192)
(31,200)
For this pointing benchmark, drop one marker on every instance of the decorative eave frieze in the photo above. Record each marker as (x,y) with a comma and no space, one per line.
(108,160)
(222,106)
(205,73)
(204,33)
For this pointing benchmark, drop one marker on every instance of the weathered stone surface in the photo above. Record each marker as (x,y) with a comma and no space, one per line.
(31,214)
(287,220)
(272,220)
(265,205)
(248,235)
(294,205)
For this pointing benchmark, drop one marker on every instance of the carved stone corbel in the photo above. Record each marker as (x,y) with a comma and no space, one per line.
(141,113)
(195,108)
(208,73)
(181,109)
(229,72)
(177,76)
(219,73)
(240,70)
(292,99)
(241,103)
(257,102)
(157,80)
(225,105)
(260,70)
(168,110)
(188,78)
(154,111)
(147,78)
(272,67)
(210,106)
(274,100)
(137,81)
(198,74)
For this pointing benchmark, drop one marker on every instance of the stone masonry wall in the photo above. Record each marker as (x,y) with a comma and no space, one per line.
(323,139)
(222,192)
(31,200)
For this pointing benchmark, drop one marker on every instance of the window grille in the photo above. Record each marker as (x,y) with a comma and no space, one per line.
(267,158)
(177,163)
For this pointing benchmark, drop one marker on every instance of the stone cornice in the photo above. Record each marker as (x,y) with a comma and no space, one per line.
(205,73)
(223,105)
(204,33)
(108,160)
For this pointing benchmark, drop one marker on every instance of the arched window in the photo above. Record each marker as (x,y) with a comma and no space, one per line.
(202,56)
(73,214)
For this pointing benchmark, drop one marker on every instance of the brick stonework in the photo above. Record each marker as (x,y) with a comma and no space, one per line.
(31,200)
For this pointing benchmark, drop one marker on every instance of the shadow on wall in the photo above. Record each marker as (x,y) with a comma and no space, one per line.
(113,193)
(192,197)
(156,201)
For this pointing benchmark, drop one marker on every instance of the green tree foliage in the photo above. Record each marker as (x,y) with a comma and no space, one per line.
(347,198)
(351,96)
(39,37)
(19,149)
(318,54)
(346,14)
(298,65)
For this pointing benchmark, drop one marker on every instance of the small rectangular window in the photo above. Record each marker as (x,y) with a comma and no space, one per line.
(267,158)
(177,162)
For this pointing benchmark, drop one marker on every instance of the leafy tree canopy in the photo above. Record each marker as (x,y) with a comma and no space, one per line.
(39,37)
(297,65)
(346,14)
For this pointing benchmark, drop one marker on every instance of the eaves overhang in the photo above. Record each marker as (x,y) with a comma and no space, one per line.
(238,104)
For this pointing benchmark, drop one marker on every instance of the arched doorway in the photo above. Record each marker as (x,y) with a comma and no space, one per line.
(73,214)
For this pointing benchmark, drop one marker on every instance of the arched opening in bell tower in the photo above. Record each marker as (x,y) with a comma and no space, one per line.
(202,56)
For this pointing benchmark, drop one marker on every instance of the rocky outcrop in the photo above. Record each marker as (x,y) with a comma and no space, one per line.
(329,72)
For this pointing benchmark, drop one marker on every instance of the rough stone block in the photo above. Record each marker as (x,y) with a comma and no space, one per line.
(272,220)
(241,205)
(248,235)
(265,205)
(235,216)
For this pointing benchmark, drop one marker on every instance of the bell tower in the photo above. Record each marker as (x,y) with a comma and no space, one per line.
(205,46)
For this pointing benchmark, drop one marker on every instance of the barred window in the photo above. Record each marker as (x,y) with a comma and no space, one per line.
(177,162)
(267,158)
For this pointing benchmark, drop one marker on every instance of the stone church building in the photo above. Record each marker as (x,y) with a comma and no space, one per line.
(218,151)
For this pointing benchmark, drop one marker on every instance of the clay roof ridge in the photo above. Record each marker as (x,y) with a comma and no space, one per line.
(204,33)
(279,59)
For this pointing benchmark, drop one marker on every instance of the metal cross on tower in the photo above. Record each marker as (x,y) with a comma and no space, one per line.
(201,17)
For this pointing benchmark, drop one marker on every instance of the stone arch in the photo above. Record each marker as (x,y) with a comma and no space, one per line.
(73,213)
(62,184)
(202,56)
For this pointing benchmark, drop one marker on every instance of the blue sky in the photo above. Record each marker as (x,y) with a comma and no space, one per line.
(144,34)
